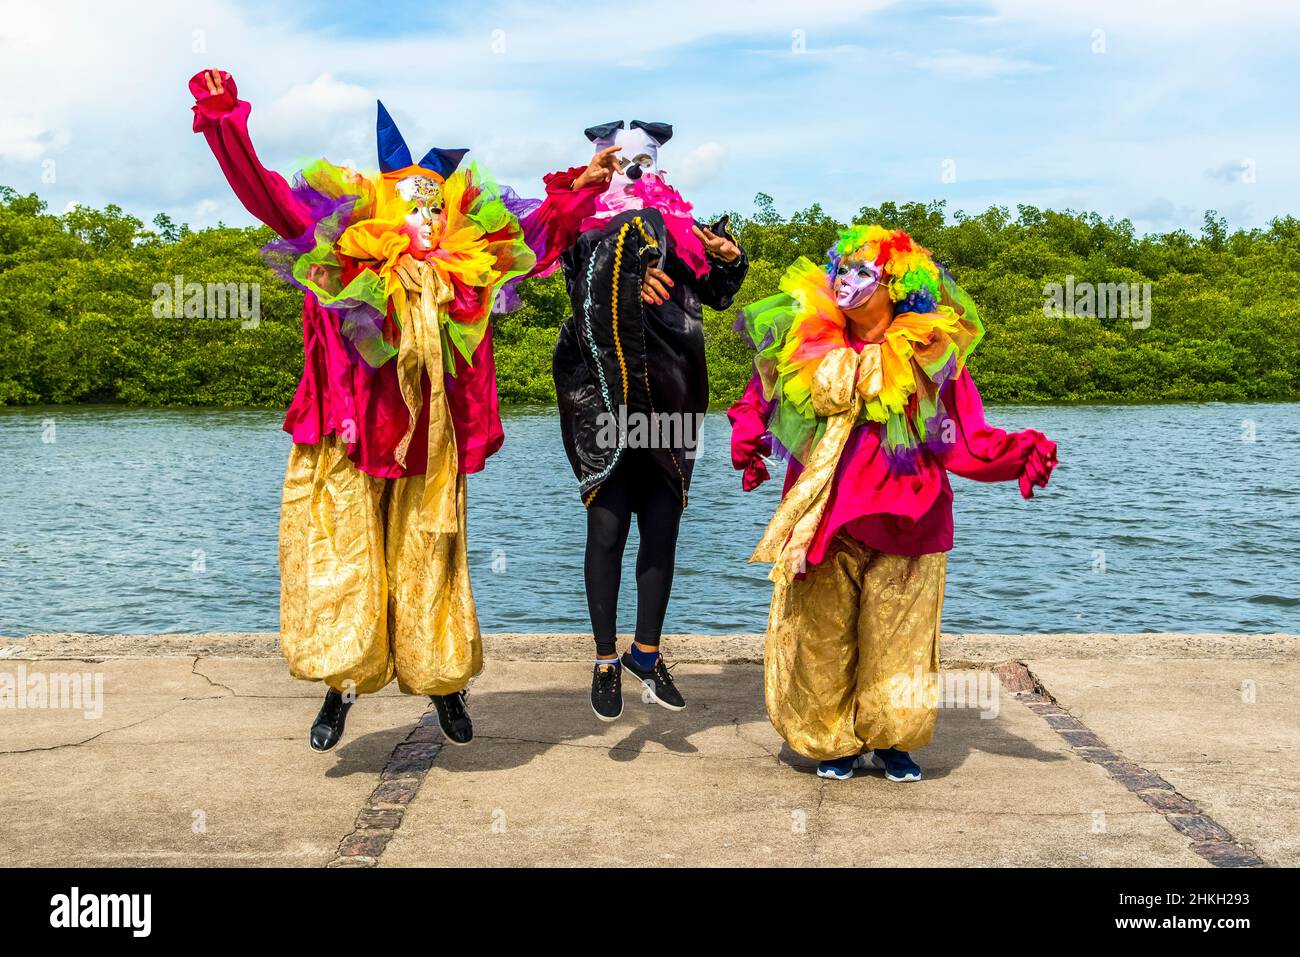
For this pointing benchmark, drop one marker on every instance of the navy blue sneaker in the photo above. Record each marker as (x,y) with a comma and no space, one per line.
(841,769)
(897,765)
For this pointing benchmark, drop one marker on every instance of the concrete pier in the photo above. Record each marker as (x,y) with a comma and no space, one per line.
(1085,751)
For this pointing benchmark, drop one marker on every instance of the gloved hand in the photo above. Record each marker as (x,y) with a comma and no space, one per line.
(1038,468)
(755,474)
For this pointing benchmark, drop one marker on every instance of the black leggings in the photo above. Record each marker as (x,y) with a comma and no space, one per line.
(637,485)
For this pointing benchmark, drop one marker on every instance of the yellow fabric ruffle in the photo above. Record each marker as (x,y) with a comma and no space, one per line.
(912,336)
(378,240)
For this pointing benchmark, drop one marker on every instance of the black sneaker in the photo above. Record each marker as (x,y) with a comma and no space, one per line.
(607,692)
(328,726)
(658,682)
(453,718)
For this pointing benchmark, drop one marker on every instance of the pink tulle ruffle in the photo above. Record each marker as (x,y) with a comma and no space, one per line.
(651,192)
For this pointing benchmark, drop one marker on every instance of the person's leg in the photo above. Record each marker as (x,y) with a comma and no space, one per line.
(810,658)
(333,590)
(437,647)
(609,516)
(658,518)
(657,521)
(898,658)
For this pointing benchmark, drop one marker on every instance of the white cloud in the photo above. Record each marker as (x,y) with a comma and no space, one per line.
(1231,171)
(104,95)
(323,96)
(699,166)
(24,139)
(1162,214)
(976,66)
(1152,22)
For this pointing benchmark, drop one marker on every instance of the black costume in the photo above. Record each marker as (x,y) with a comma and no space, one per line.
(618,358)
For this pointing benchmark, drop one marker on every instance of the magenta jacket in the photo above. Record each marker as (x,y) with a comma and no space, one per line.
(901,514)
(337,395)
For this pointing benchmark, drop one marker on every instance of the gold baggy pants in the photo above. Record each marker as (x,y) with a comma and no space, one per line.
(365,594)
(852,653)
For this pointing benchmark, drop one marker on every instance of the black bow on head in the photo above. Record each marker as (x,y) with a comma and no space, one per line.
(661,133)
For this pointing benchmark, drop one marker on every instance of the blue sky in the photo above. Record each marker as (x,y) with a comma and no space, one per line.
(1150,110)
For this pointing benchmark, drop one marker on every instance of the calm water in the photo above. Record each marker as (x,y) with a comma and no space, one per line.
(1160,518)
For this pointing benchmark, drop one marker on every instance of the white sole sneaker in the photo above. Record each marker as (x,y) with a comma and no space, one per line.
(834,775)
(650,693)
(605,719)
(859,764)
(897,779)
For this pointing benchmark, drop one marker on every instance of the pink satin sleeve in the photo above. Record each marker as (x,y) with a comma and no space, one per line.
(223,121)
(475,411)
(324,403)
(553,226)
(986,453)
(748,418)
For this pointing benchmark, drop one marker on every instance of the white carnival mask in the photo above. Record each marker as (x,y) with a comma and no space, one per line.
(638,152)
(426,193)
(854,282)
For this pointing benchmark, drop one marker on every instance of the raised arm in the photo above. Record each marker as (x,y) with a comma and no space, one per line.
(571,195)
(222,118)
(988,454)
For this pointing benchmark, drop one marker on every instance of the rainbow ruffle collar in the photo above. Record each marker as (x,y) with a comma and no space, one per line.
(793,331)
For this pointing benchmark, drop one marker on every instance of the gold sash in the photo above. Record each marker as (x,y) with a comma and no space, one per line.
(419,299)
(844,378)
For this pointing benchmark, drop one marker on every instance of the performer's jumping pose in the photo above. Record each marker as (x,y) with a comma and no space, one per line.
(861,383)
(397,404)
(630,375)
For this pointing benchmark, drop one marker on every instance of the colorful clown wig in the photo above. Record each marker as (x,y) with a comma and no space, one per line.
(911,274)
(935,328)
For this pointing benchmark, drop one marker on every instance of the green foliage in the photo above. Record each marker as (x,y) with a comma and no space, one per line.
(78,321)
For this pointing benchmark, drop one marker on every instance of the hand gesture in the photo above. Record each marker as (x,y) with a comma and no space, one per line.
(719,247)
(1038,469)
(601,168)
(216,86)
(755,474)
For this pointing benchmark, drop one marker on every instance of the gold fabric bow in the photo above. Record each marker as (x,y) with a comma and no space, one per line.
(843,380)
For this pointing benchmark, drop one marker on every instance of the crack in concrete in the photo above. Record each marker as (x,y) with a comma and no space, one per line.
(194,670)
(775,755)
(815,833)
(93,737)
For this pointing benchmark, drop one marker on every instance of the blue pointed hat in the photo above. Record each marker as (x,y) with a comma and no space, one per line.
(395,155)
